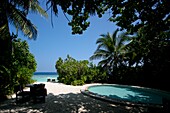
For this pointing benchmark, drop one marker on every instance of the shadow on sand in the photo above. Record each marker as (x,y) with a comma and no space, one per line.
(67,103)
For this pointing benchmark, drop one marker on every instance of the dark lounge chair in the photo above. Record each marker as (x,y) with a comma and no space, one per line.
(21,95)
(53,80)
(38,92)
(48,80)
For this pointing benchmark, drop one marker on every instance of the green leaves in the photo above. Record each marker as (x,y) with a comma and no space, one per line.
(110,50)
(24,63)
(80,11)
(75,72)
(130,15)
(20,68)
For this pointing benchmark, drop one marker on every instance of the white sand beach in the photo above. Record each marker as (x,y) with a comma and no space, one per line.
(63,98)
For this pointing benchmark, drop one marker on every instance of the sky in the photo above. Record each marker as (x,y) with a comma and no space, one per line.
(57,41)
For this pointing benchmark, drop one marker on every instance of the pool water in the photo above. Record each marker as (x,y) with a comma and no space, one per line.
(127,93)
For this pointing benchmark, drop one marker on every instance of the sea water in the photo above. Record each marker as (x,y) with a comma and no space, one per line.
(43,76)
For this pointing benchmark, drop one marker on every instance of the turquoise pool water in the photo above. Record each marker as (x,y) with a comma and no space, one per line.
(43,76)
(129,94)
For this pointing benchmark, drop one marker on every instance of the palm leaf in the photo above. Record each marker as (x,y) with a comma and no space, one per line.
(29,5)
(111,50)
(4,31)
(19,20)
(35,8)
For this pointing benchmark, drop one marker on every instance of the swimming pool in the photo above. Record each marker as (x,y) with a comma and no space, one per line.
(124,94)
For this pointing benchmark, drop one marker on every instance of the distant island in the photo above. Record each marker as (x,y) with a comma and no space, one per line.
(45,73)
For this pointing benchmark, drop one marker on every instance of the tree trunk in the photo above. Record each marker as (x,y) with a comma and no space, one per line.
(5,39)
(5,50)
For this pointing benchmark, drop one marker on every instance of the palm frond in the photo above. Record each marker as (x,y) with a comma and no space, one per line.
(105,63)
(28,5)
(105,42)
(96,57)
(111,50)
(35,8)
(101,40)
(4,31)
(100,54)
(114,36)
(102,51)
(18,19)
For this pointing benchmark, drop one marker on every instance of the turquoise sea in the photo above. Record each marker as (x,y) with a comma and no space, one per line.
(43,76)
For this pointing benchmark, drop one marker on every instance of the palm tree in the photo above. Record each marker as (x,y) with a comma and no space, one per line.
(14,12)
(111,49)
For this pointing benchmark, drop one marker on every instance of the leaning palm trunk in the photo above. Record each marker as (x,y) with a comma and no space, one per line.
(14,12)
(5,39)
(5,45)
(5,51)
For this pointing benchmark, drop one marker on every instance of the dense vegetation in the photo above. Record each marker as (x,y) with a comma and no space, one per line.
(148,22)
(131,15)
(133,60)
(75,72)
(145,61)
(124,59)
(21,69)
(16,63)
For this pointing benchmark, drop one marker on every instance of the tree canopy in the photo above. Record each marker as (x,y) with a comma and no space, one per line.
(130,15)
(149,19)
(71,71)
(15,12)
(20,70)
(111,50)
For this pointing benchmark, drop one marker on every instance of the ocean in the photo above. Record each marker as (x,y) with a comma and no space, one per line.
(43,76)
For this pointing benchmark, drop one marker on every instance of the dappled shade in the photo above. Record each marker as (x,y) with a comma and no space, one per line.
(68,103)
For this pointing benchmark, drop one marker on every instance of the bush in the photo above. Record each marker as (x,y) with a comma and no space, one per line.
(75,72)
(20,70)
(77,82)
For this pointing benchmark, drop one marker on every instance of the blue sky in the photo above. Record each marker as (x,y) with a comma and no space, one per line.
(57,41)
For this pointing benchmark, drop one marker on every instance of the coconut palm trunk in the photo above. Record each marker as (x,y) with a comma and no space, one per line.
(14,12)
(5,48)
(5,39)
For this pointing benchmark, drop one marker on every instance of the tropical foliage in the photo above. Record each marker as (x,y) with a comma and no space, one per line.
(153,56)
(128,14)
(145,59)
(15,12)
(148,55)
(24,64)
(148,19)
(111,50)
(133,59)
(21,69)
(75,72)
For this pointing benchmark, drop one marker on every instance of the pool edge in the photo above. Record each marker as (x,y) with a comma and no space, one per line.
(117,101)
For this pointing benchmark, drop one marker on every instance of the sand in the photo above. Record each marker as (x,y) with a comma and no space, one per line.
(63,98)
